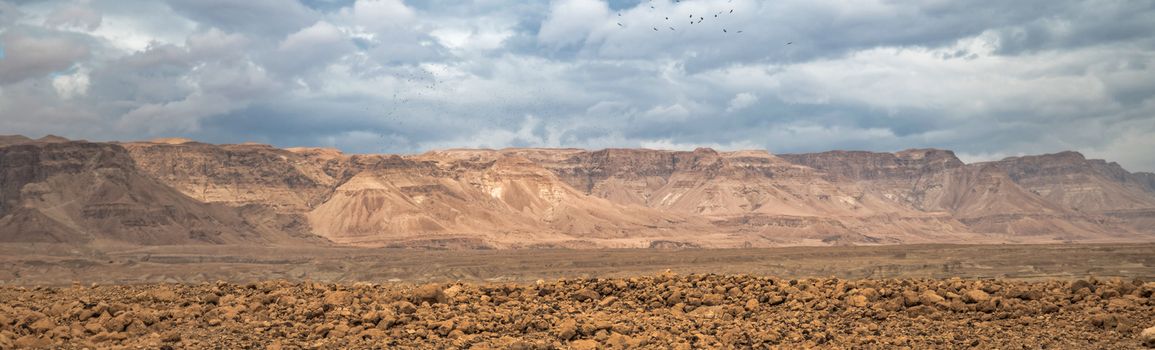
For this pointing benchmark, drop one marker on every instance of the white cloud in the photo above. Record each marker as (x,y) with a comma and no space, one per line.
(78,15)
(741,101)
(570,21)
(72,85)
(379,15)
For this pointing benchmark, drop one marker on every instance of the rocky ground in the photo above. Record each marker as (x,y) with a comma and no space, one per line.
(657,311)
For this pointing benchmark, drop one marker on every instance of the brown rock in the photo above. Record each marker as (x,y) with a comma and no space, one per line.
(584,344)
(1147,337)
(975,296)
(405,307)
(857,301)
(163,295)
(443,328)
(43,325)
(929,298)
(566,329)
(751,304)
(452,292)
(586,294)
(1081,284)
(430,293)
(1111,321)
(608,301)
(713,299)
(339,297)
(32,342)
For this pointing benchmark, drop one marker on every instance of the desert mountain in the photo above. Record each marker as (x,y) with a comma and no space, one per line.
(80,192)
(178,191)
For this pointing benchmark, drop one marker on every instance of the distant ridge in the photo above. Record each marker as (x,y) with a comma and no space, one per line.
(178,191)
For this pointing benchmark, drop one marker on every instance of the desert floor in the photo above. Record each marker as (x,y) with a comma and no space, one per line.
(935,296)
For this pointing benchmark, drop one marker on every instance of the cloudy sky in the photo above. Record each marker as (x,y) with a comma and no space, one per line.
(986,78)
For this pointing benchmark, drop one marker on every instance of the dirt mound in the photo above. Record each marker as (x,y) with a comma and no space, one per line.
(666,311)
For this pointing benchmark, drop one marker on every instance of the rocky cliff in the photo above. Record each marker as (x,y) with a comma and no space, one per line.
(175,191)
(80,192)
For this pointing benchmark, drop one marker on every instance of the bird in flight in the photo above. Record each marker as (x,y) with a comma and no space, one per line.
(724,30)
(790,43)
(620,24)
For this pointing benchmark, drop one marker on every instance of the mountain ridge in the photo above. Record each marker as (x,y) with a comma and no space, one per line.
(559,198)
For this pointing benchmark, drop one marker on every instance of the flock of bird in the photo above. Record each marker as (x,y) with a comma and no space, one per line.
(670,22)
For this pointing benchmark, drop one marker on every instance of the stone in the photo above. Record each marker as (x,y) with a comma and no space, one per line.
(586,294)
(1147,337)
(857,301)
(930,298)
(164,296)
(1081,284)
(405,307)
(752,304)
(32,342)
(608,301)
(170,337)
(430,293)
(713,299)
(566,329)
(339,297)
(975,296)
(43,325)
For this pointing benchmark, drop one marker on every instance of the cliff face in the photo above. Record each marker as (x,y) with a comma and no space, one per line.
(79,192)
(1062,194)
(236,174)
(859,165)
(1087,185)
(176,191)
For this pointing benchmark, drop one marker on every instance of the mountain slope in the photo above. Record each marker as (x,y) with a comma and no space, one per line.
(79,192)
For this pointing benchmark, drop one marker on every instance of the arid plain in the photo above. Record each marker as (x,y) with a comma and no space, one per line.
(935,296)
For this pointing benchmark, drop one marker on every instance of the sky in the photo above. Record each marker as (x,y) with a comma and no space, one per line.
(985,78)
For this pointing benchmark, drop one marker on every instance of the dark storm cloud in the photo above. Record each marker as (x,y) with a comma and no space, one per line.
(985,78)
